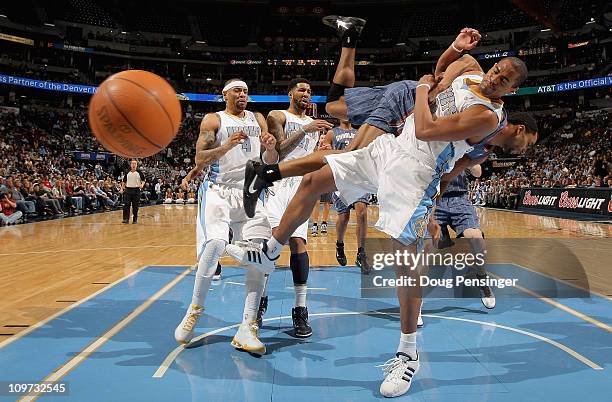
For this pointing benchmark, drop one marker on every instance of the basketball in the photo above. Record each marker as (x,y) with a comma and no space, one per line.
(135,113)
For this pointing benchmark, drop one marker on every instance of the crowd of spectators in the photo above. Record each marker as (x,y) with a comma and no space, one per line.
(40,177)
(577,155)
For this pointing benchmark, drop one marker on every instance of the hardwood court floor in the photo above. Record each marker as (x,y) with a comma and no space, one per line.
(50,265)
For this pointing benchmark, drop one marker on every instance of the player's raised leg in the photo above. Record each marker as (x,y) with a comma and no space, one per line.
(299,209)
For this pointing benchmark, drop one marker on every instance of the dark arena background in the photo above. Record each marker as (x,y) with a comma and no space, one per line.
(95,309)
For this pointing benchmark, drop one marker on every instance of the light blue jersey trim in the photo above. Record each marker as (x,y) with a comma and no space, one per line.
(214,172)
(416,228)
(202,207)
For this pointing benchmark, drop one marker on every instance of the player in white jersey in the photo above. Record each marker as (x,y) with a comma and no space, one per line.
(227,140)
(405,172)
(297,135)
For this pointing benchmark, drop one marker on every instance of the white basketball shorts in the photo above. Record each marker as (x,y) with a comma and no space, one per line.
(405,188)
(220,208)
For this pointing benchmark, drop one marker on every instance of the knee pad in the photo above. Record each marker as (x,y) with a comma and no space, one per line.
(299,268)
(335,92)
(214,248)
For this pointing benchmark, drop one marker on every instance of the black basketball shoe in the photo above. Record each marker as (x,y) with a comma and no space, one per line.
(254,184)
(362,262)
(301,329)
(340,256)
(342,25)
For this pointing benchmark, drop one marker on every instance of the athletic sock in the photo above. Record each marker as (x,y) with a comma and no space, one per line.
(300,295)
(274,248)
(271,173)
(407,344)
(207,265)
(254,286)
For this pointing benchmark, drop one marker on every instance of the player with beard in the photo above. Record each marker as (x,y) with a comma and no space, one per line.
(227,140)
(297,136)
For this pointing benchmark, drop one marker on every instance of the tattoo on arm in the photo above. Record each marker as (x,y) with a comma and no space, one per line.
(291,142)
(206,152)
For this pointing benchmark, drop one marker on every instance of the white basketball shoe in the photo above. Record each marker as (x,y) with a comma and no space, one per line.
(184,332)
(247,339)
(398,375)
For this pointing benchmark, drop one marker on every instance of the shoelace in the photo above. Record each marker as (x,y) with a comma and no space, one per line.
(191,320)
(248,244)
(390,365)
(254,329)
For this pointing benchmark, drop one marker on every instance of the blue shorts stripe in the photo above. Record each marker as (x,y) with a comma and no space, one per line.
(416,228)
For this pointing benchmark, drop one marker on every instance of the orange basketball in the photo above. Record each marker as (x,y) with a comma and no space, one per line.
(135,113)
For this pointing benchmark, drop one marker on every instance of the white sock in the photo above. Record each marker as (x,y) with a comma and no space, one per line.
(274,248)
(254,287)
(407,344)
(207,265)
(300,295)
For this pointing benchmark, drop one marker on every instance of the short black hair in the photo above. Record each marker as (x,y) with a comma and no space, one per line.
(525,119)
(294,82)
(520,67)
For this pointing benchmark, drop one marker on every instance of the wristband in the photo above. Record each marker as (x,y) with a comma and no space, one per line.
(455,49)
(263,158)
(425,85)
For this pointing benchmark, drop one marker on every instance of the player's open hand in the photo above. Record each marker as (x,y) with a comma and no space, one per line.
(268,141)
(467,39)
(236,139)
(318,125)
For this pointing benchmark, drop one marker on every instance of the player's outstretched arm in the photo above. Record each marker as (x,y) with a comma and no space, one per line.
(475,122)
(206,150)
(467,39)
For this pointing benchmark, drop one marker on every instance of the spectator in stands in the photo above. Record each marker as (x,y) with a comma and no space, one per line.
(191,197)
(169,197)
(26,207)
(180,197)
(8,209)
(105,201)
(158,189)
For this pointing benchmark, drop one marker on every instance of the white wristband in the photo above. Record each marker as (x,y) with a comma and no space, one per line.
(455,49)
(425,85)
(263,157)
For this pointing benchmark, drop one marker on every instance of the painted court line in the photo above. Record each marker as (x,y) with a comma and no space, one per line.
(559,280)
(165,365)
(59,373)
(560,306)
(78,250)
(39,324)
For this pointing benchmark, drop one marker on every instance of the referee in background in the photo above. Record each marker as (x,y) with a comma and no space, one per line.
(133,182)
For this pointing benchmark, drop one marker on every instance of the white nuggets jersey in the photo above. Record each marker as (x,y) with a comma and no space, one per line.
(310,141)
(229,169)
(440,156)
